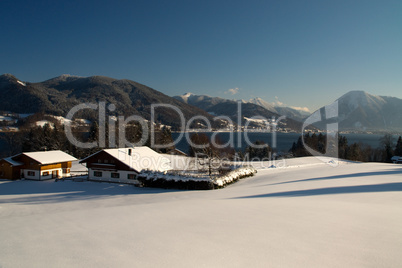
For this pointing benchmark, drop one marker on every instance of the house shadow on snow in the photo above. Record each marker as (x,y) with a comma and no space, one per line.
(385,187)
(36,192)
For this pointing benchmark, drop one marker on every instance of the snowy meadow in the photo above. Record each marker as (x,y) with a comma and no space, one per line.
(306,214)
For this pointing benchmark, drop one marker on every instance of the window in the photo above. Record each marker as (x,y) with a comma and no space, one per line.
(45,173)
(31,173)
(131,176)
(97,174)
(115,175)
(105,161)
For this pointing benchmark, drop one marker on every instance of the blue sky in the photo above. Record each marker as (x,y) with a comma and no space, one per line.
(300,53)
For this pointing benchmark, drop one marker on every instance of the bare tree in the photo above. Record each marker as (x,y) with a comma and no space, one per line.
(211,155)
(388,143)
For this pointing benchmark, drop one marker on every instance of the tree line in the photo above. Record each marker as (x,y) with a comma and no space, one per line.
(51,136)
(355,151)
(260,150)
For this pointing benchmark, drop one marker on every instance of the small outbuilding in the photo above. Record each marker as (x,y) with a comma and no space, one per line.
(36,165)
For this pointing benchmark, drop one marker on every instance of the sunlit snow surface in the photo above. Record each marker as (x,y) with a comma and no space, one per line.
(306,214)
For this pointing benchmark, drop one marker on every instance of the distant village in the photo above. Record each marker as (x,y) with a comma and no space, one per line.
(10,122)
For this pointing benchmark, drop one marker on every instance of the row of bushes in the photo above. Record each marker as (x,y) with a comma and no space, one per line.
(234,176)
(169,181)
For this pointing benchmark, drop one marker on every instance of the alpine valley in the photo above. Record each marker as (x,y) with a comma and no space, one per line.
(359,111)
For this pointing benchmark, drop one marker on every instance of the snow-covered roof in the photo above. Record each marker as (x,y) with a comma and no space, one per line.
(50,157)
(139,158)
(13,162)
(179,151)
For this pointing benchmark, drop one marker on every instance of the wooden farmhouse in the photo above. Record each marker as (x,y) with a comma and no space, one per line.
(124,164)
(36,165)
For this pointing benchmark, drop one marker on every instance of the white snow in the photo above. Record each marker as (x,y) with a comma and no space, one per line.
(11,128)
(178,162)
(83,121)
(78,169)
(261,121)
(235,175)
(140,158)
(220,181)
(6,118)
(358,98)
(310,215)
(21,83)
(50,157)
(61,119)
(186,96)
(262,103)
(42,123)
(113,118)
(13,162)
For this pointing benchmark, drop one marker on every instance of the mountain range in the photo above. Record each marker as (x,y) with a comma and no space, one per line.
(212,104)
(58,95)
(289,112)
(230,108)
(358,110)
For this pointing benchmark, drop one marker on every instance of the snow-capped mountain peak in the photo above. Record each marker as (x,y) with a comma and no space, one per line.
(355,99)
(263,103)
(361,111)
(186,96)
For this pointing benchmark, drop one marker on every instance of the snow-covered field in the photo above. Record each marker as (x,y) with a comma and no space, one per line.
(306,214)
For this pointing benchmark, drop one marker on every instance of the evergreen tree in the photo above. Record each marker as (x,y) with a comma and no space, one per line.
(12,143)
(354,152)
(398,148)
(342,146)
(94,132)
(259,150)
(298,149)
(164,137)
(321,141)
